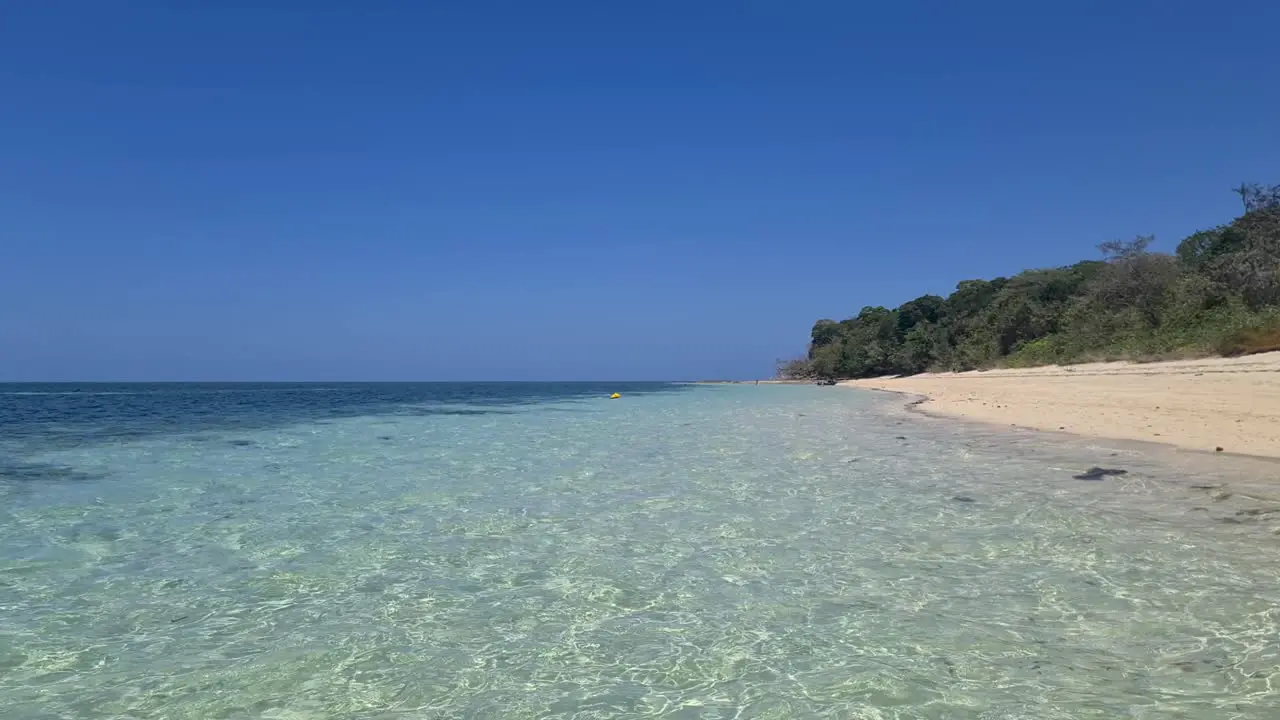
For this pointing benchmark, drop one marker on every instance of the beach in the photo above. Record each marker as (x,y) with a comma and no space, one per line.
(1215,404)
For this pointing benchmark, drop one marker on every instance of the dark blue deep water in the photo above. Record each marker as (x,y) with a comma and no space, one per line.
(90,412)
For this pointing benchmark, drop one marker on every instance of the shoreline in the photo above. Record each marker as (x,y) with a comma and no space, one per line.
(1215,405)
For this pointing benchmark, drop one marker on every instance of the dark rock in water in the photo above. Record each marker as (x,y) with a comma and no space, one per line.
(241,443)
(1255,512)
(93,532)
(963,498)
(1097,473)
(22,472)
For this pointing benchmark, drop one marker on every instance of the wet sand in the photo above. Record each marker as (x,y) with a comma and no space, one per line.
(1231,404)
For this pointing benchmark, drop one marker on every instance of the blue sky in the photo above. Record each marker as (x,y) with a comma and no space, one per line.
(580,190)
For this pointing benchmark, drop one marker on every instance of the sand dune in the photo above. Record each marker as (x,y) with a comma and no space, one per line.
(1228,403)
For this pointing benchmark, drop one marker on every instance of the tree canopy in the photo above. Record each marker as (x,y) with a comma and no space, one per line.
(1219,292)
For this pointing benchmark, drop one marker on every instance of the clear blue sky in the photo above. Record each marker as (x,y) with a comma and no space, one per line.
(581,190)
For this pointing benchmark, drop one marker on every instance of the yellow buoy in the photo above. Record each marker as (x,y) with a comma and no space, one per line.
(614,396)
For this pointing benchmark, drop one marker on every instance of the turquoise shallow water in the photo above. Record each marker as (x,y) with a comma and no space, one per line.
(685,552)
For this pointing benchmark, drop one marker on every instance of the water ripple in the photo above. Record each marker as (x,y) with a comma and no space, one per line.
(715,553)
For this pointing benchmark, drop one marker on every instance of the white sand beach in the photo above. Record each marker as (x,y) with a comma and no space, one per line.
(1227,403)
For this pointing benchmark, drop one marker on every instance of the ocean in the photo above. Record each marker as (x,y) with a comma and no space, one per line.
(542,551)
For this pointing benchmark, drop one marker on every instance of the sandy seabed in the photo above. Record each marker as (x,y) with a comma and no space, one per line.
(1216,404)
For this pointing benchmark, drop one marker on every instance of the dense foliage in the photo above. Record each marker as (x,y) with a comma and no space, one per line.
(1219,293)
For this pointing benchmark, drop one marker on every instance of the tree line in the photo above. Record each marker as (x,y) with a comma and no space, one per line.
(1218,293)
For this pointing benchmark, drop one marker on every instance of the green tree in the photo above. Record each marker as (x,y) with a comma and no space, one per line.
(1221,289)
